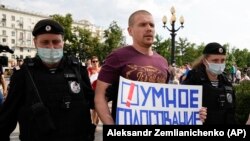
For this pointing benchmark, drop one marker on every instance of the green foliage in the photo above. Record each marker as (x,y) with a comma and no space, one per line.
(163,48)
(113,39)
(181,46)
(66,21)
(83,44)
(241,56)
(191,53)
(242,101)
(80,42)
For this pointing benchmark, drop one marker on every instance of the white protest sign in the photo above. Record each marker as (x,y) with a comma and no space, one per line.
(144,103)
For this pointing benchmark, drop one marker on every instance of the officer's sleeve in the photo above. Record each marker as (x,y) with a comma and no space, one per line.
(10,108)
(234,121)
(189,80)
(85,76)
(88,91)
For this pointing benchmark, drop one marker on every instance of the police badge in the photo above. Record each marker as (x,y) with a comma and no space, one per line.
(229,98)
(48,28)
(220,50)
(74,87)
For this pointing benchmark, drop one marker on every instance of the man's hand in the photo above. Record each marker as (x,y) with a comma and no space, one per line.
(203,114)
(248,121)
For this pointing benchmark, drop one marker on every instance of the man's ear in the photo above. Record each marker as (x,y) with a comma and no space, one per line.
(129,31)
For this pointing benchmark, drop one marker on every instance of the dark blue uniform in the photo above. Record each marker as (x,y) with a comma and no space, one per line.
(65,99)
(220,101)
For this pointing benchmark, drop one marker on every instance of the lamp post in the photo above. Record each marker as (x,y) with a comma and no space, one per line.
(173,30)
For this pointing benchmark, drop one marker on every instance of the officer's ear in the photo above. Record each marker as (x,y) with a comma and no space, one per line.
(35,41)
(204,61)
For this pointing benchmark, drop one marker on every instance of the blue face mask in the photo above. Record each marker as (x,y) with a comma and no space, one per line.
(50,55)
(216,68)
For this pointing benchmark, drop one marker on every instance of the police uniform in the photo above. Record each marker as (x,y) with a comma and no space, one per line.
(52,106)
(219,100)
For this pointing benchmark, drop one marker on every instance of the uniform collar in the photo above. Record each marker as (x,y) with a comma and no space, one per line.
(40,64)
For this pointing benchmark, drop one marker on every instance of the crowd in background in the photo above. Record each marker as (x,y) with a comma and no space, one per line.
(179,73)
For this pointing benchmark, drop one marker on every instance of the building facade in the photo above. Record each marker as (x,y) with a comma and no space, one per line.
(16,31)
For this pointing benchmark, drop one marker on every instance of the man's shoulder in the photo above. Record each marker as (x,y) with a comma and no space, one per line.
(159,56)
(122,49)
(121,53)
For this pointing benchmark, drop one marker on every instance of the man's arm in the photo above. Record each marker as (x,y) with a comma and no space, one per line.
(101,104)
(4,85)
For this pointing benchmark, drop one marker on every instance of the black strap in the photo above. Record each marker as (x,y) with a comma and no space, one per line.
(33,83)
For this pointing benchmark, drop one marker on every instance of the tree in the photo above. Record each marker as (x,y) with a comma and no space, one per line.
(241,57)
(163,48)
(113,39)
(83,44)
(66,22)
(181,47)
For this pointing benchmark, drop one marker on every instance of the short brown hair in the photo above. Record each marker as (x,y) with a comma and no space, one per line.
(94,57)
(132,16)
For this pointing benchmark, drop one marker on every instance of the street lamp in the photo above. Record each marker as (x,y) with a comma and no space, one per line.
(172,30)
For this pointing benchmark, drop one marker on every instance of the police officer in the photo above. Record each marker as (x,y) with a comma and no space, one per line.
(49,95)
(218,94)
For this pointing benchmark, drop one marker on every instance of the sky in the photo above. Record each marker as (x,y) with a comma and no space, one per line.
(223,21)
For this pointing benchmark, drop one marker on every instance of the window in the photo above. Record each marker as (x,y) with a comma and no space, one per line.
(13,18)
(4,40)
(3,20)
(21,36)
(4,32)
(21,49)
(13,41)
(13,33)
(20,22)
(12,25)
(3,24)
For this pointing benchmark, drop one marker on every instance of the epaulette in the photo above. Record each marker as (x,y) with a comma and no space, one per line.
(224,78)
(29,62)
(197,75)
(72,60)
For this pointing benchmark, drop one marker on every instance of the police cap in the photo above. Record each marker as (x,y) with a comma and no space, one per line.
(214,48)
(47,26)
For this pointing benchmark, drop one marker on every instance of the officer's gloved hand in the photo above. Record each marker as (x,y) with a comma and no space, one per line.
(91,136)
